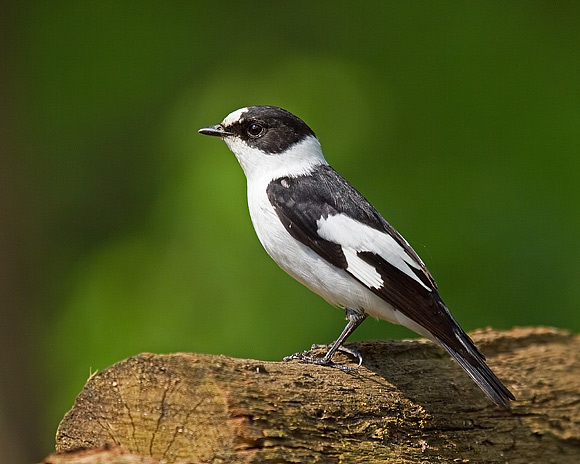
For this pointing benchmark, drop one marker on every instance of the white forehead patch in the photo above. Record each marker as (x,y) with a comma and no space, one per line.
(233,117)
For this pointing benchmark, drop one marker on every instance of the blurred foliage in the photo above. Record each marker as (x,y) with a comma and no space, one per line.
(458,120)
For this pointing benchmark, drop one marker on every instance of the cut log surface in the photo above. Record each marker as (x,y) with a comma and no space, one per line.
(408,403)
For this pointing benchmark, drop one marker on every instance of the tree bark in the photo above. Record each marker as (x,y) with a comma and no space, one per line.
(408,403)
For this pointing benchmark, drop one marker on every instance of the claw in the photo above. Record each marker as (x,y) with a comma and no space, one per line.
(306,357)
(351,351)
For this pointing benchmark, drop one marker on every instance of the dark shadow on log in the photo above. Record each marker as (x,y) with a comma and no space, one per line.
(409,403)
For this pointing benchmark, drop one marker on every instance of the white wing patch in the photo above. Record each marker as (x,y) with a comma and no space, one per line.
(354,236)
(366,273)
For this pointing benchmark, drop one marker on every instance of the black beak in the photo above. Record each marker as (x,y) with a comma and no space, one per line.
(216,131)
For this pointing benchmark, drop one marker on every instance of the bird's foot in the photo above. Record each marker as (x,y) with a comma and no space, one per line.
(351,351)
(307,357)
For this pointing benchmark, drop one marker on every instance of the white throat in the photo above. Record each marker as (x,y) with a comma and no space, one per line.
(264,167)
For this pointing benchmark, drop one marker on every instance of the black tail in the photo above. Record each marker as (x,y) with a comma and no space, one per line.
(473,362)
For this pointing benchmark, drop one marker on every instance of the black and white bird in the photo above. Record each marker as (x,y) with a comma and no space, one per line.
(326,235)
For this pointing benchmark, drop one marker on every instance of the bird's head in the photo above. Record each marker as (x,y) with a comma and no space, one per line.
(269,141)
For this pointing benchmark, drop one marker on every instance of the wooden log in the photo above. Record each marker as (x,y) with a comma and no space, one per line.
(408,403)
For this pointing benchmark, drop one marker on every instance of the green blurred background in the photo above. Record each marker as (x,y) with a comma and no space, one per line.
(123,230)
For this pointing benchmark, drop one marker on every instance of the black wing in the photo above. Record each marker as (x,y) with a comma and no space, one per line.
(300,201)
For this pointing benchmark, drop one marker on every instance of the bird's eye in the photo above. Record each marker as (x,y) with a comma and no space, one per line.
(255,130)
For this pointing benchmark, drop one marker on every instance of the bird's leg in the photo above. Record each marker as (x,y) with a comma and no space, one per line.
(354,320)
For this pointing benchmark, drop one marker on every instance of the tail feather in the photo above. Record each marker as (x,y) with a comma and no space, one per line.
(479,371)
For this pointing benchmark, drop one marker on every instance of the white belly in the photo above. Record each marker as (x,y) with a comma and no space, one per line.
(307,267)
